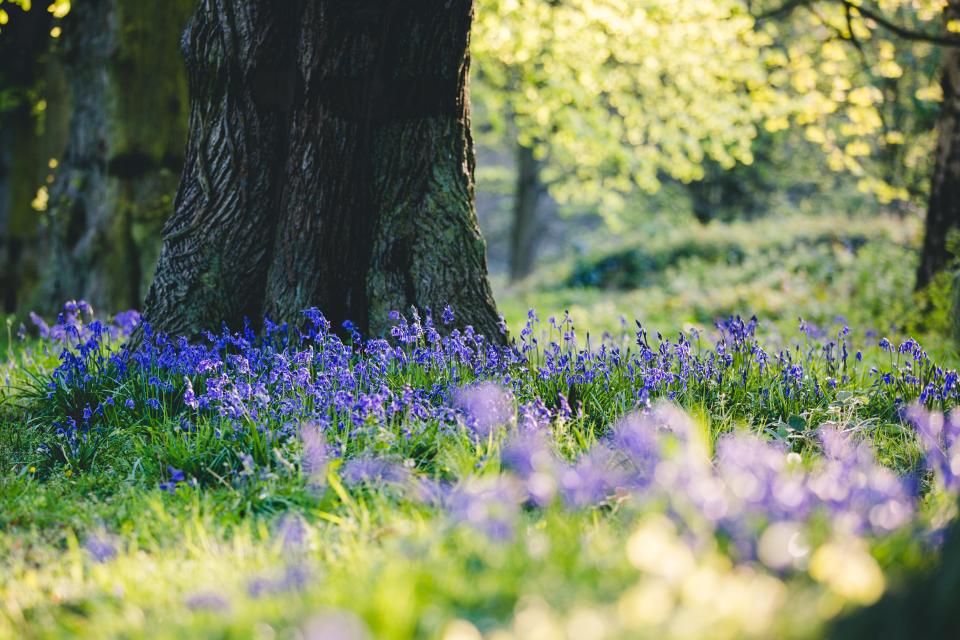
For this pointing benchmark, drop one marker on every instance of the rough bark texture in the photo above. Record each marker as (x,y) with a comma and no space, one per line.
(526,227)
(116,179)
(329,164)
(943,214)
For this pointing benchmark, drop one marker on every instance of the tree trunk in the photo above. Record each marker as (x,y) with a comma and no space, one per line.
(330,164)
(526,227)
(25,145)
(115,182)
(20,176)
(943,213)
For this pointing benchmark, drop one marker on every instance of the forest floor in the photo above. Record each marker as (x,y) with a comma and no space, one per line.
(597,480)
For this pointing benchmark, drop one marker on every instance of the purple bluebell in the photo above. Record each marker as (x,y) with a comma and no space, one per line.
(101,547)
(335,625)
(489,504)
(207,601)
(486,406)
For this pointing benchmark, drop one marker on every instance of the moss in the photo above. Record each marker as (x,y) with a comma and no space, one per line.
(25,176)
(148,76)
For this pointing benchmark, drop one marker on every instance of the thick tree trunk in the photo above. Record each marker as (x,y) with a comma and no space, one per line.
(115,182)
(330,164)
(526,228)
(943,213)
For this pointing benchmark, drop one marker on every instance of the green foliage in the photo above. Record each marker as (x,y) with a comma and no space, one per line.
(819,267)
(955,311)
(938,302)
(88,542)
(646,266)
(211,558)
(618,96)
(59,9)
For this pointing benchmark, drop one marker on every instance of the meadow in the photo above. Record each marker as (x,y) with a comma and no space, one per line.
(649,460)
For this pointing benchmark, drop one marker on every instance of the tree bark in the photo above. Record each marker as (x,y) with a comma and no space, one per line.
(21,173)
(26,140)
(330,164)
(115,181)
(943,213)
(526,228)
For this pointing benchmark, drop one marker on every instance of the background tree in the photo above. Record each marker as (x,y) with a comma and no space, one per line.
(596,92)
(601,97)
(882,29)
(32,131)
(115,180)
(330,164)
(943,213)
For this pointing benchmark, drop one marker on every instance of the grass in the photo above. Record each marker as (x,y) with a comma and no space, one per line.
(672,273)
(307,488)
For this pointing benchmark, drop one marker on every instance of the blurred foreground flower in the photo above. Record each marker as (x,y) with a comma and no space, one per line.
(486,406)
(335,625)
(940,436)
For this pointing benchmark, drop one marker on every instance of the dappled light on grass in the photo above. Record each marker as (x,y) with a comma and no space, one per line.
(705,482)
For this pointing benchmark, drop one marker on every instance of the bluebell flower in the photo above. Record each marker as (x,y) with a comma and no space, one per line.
(447,316)
(292,578)
(207,601)
(336,625)
(940,437)
(486,406)
(189,398)
(373,470)
(316,456)
(100,547)
(489,504)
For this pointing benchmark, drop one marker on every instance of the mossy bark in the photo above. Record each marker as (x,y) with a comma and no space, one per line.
(115,182)
(330,164)
(21,174)
(29,136)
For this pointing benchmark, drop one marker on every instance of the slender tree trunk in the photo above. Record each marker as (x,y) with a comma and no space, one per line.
(526,227)
(943,213)
(705,197)
(116,179)
(330,164)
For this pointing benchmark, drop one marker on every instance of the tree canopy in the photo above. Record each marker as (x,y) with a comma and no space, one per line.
(617,95)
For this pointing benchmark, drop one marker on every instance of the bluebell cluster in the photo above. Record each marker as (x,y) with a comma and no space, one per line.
(660,455)
(320,394)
